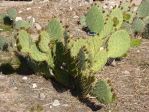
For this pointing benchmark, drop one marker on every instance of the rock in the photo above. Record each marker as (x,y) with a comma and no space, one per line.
(28,8)
(38,27)
(18,18)
(34,85)
(20,12)
(126,72)
(56,103)
(24,78)
(42,96)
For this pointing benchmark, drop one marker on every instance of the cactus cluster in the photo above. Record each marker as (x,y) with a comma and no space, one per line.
(74,62)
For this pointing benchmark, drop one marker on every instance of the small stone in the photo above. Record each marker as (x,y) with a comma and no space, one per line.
(42,96)
(28,8)
(15,88)
(18,18)
(20,12)
(56,103)
(38,27)
(50,106)
(34,85)
(138,51)
(24,78)
(75,17)
(30,18)
(113,63)
(65,105)
(126,72)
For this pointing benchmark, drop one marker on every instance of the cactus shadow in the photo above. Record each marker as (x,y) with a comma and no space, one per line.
(57,86)
(88,102)
(92,105)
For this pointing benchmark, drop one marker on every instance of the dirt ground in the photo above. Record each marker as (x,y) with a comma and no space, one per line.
(32,93)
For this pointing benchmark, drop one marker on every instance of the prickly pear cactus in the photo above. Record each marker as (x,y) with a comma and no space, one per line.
(12,13)
(143,9)
(118,44)
(24,41)
(103,92)
(117,17)
(138,25)
(55,29)
(94,19)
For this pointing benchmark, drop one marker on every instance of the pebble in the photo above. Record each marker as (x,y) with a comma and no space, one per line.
(126,72)
(38,27)
(34,85)
(24,78)
(18,18)
(28,8)
(138,51)
(20,12)
(56,103)
(31,18)
(42,96)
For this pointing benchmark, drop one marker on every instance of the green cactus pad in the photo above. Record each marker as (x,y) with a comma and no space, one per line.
(94,19)
(55,29)
(108,27)
(36,54)
(44,42)
(24,41)
(138,25)
(22,24)
(102,91)
(12,13)
(118,44)
(99,61)
(117,17)
(128,27)
(143,9)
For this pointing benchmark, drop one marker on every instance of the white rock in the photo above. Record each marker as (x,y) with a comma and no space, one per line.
(28,8)
(38,27)
(126,72)
(56,103)
(138,51)
(24,78)
(18,18)
(20,12)
(34,85)
(31,19)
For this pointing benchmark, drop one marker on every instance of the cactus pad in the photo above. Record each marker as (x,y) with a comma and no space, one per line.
(102,91)
(55,29)
(118,44)
(94,19)
(143,9)
(12,13)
